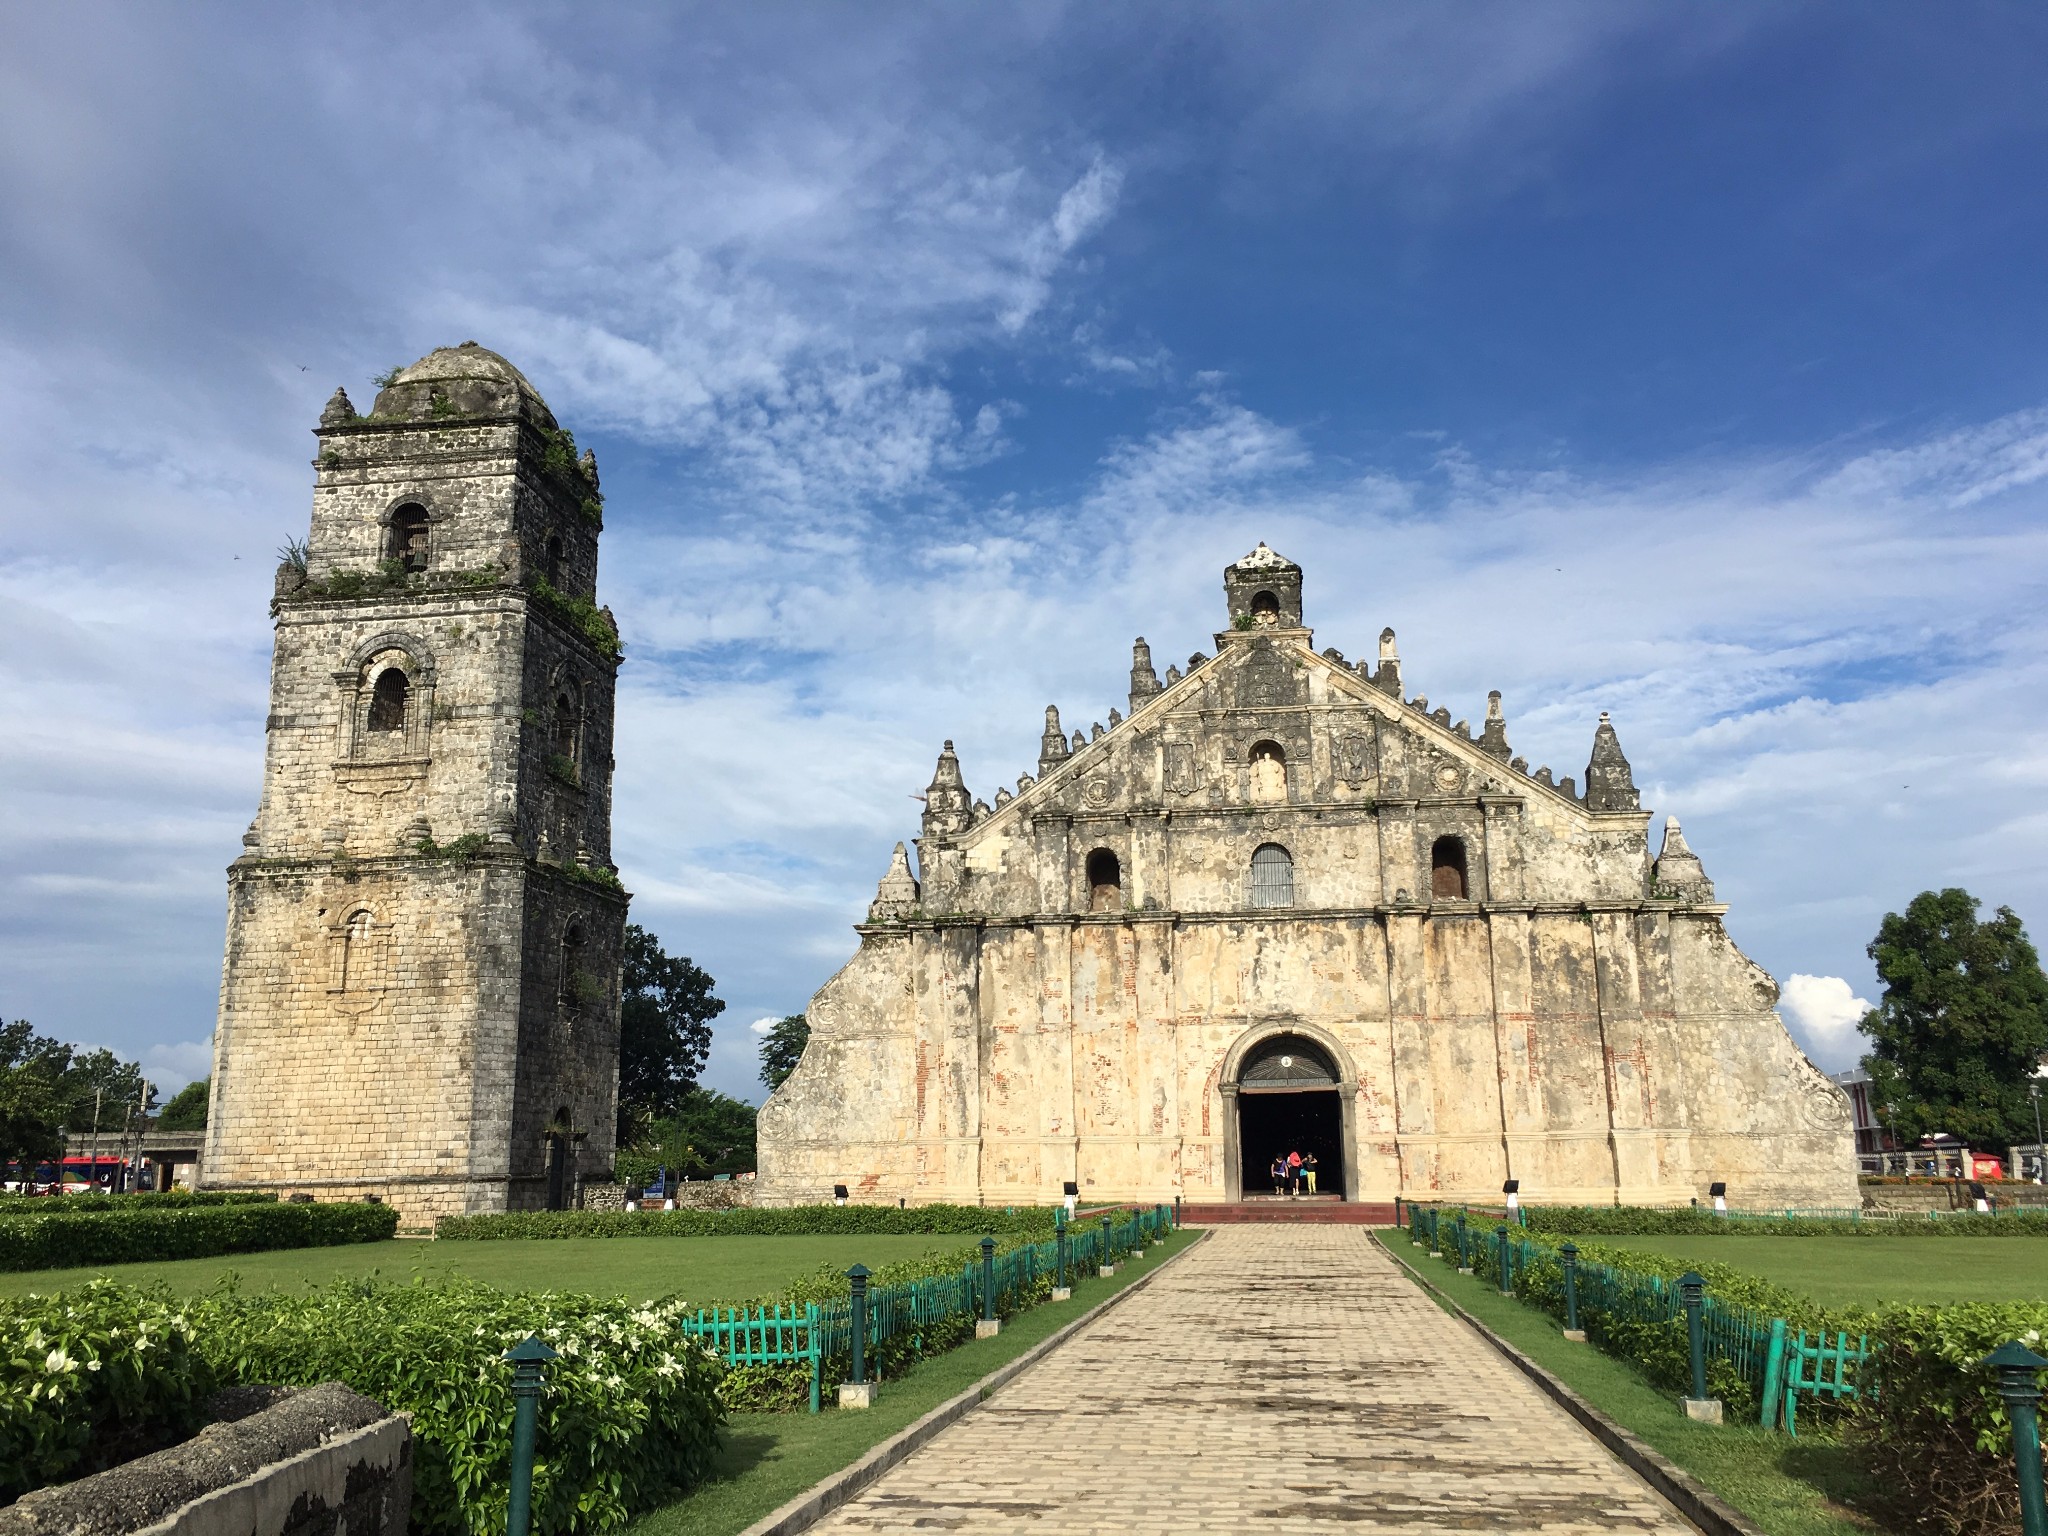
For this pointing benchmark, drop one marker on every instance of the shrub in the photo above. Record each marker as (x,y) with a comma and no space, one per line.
(1639,1221)
(61,1239)
(778,1221)
(1936,1433)
(91,1378)
(139,1200)
(629,1417)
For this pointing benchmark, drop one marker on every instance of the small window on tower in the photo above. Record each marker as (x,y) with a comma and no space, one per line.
(387,700)
(552,564)
(1447,868)
(1105,881)
(575,982)
(1265,609)
(408,541)
(568,723)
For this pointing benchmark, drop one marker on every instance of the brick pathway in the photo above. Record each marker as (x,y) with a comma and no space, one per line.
(1276,1379)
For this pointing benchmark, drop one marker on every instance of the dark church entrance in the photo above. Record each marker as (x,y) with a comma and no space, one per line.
(1287,1102)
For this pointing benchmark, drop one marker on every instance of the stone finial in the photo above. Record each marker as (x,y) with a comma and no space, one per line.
(339,410)
(1195,660)
(980,813)
(1336,657)
(1025,780)
(1081,741)
(947,810)
(1442,717)
(1520,765)
(1388,678)
(1463,727)
(1144,681)
(1115,719)
(1567,788)
(1610,786)
(1493,736)
(1542,776)
(1052,746)
(1095,731)
(1420,703)
(588,464)
(1003,796)
(897,894)
(1678,874)
(1172,675)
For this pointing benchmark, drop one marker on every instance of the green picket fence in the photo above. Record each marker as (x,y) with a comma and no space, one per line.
(1780,1369)
(815,1334)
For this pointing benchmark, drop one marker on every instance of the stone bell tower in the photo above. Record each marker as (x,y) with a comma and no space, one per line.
(420,995)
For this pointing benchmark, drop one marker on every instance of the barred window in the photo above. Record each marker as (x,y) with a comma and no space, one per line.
(408,539)
(1272,882)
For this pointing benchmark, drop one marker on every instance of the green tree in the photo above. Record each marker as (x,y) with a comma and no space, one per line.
(783,1047)
(665,1015)
(1963,1022)
(710,1133)
(187,1109)
(48,1088)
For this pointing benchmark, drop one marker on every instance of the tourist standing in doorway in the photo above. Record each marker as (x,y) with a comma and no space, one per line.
(1308,1171)
(1279,1174)
(1294,1173)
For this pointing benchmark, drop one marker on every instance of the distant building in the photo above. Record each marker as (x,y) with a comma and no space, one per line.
(1285,905)
(1871,1135)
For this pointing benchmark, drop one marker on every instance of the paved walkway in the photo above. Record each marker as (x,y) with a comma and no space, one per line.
(1276,1379)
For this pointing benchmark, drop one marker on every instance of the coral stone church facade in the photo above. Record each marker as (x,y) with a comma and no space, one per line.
(1284,906)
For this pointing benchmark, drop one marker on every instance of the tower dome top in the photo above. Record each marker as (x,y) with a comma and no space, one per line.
(468,380)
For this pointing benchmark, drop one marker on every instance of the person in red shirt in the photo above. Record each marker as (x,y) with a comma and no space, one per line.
(1293,1173)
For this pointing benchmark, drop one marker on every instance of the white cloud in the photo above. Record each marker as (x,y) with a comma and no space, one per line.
(1823,1012)
(170,1066)
(763,1026)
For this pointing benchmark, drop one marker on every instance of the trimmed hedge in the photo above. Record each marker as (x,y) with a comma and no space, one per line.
(143,1199)
(1936,1434)
(629,1416)
(778,1221)
(62,1240)
(1639,1221)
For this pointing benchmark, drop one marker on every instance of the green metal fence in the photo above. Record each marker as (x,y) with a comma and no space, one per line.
(1780,1365)
(816,1334)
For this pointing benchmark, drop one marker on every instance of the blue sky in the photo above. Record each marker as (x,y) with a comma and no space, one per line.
(1681,361)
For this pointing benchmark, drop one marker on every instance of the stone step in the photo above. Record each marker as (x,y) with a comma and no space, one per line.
(1321,1210)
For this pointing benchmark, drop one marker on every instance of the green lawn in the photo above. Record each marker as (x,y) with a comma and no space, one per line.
(707,1269)
(1864,1271)
(770,1458)
(1788,1487)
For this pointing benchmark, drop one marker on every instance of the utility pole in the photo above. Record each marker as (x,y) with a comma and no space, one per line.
(97,1095)
(2040,1152)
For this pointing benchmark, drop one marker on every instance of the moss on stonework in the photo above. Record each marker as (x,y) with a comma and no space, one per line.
(581,613)
(462,850)
(592,874)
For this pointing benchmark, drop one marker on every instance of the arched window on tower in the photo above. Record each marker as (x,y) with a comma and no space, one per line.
(388,699)
(356,934)
(568,735)
(1447,869)
(1269,772)
(575,981)
(407,542)
(1272,878)
(1265,609)
(1105,881)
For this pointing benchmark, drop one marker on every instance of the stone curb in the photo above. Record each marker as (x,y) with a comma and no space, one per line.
(807,1508)
(1677,1486)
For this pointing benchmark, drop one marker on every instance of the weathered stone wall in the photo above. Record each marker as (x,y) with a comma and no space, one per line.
(420,984)
(318,1462)
(1566,1012)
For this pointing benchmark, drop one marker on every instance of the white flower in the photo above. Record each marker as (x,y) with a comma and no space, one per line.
(92,1365)
(60,1362)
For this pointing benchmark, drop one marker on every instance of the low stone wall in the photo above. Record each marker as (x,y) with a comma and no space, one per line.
(1920,1198)
(690,1195)
(318,1462)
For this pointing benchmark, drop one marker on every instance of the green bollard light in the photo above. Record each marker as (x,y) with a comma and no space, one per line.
(1500,1259)
(1108,1265)
(859,1322)
(529,1359)
(1692,1291)
(988,1279)
(1568,1255)
(2019,1370)
(1059,1243)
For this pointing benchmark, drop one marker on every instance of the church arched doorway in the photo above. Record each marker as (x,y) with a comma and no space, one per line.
(1289,1100)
